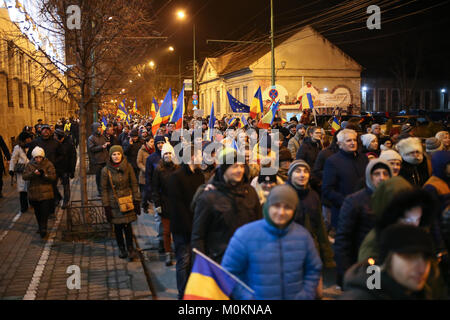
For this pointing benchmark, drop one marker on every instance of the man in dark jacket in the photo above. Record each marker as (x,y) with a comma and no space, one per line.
(7,155)
(406,260)
(110,137)
(183,184)
(219,212)
(53,152)
(98,148)
(311,146)
(151,163)
(343,173)
(75,131)
(131,149)
(123,136)
(356,218)
(65,168)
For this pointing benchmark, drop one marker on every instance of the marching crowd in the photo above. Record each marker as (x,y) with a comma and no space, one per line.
(348,200)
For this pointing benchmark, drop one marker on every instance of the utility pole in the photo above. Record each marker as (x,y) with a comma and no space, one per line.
(194,79)
(272,43)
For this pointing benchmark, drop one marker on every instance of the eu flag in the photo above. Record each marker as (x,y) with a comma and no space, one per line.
(237,106)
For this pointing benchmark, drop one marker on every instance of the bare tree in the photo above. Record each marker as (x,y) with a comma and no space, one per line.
(113,36)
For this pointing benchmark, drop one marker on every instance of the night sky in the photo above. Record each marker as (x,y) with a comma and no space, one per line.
(405,24)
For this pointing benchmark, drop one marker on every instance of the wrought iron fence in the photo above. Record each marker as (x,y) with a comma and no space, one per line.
(87,221)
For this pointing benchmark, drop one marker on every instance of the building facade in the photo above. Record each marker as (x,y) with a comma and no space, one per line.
(306,57)
(27,93)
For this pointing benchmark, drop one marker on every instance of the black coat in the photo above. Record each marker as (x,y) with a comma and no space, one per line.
(417,175)
(219,212)
(68,160)
(356,219)
(343,174)
(183,184)
(51,147)
(160,187)
(131,151)
(6,154)
(308,151)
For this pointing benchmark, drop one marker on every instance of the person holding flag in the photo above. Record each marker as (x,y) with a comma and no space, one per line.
(261,252)
(164,113)
(256,107)
(154,108)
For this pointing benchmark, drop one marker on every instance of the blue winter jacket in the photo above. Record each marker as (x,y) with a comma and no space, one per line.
(278,264)
(150,166)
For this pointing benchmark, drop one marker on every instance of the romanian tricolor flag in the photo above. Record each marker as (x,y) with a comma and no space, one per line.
(335,126)
(104,123)
(306,101)
(122,112)
(177,116)
(232,121)
(208,280)
(267,120)
(135,110)
(154,108)
(164,112)
(256,107)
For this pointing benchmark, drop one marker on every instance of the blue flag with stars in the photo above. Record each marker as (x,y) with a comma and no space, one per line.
(237,106)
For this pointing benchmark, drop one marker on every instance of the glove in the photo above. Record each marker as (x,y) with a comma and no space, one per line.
(72,175)
(137,207)
(158,210)
(41,172)
(11,173)
(108,214)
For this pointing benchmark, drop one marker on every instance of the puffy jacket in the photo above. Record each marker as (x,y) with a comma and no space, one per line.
(309,150)
(19,155)
(150,165)
(68,160)
(438,182)
(160,186)
(219,212)
(125,184)
(309,215)
(343,174)
(99,155)
(294,144)
(41,186)
(279,264)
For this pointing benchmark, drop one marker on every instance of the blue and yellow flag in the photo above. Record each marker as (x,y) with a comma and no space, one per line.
(177,116)
(122,111)
(135,109)
(267,120)
(306,101)
(208,280)
(104,123)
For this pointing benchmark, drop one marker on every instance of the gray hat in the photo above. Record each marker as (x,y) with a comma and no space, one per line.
(300,125)
(406,128)
(295,164)
(344,124)
(433,144)
(283,194)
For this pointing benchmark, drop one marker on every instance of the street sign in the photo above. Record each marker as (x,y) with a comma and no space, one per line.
(195,96)
(273,94)
(195,102)
(187,84)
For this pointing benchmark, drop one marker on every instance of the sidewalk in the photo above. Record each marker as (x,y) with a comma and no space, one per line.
(31,268)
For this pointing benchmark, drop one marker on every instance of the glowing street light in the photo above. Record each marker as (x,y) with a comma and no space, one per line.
(181,14)
(131,81)
(443,91)
(151,64)
(171,49)
(364,88)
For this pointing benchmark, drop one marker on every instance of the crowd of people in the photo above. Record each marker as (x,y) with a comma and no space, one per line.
(349,200)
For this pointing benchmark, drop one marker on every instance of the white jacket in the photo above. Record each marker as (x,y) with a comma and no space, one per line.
(19,156)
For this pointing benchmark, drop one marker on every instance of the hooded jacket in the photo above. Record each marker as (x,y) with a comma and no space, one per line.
(356,219)
(150,165)
(355,287)
(99,155)
(219,212)
(280,264)
(294,143)
(160,186)
(143,154)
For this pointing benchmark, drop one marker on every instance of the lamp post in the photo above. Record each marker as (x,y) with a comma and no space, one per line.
(181,15)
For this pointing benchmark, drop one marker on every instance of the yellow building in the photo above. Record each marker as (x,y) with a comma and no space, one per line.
(27,93)
(303,57)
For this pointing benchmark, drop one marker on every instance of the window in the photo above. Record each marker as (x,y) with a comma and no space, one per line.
(395,99)
(245,94)
(427,99)
(236,93)
(381,99)
(369,95)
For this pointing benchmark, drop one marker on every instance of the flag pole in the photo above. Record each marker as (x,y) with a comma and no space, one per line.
(221,268)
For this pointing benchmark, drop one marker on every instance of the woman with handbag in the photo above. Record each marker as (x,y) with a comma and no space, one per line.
(41,175)
(121,199)
(17,165)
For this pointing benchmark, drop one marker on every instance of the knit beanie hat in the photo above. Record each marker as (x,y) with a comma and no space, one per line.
(390,155)
(301,125)
(406,128)
(115,148)
(167,148)
(267,178)
(433,144)
(367,139)
(295,164)
(38,152)
(344,124)
(403,238)
(159,139)
(280,194)
(374,126)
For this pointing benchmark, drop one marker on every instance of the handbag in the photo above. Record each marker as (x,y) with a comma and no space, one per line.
(125,203)
(19,167)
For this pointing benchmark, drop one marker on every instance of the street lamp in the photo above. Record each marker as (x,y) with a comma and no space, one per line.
(171,49)
(443,90)
(181,15)
(151,64)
